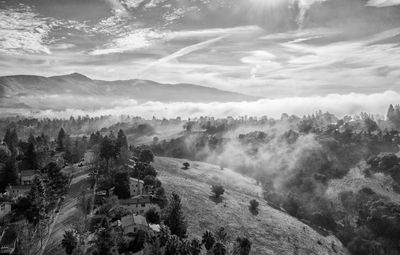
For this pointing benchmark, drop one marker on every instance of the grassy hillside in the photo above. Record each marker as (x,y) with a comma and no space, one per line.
(271,231)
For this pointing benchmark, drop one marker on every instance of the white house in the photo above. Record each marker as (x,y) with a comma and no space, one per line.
(135,186)
(140,204)
(5,208)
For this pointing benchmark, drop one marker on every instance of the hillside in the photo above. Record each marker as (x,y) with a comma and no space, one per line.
(271,231)
(19,89)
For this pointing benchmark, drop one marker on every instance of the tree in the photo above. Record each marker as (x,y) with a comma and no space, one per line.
(60,140)
(218,190)
(146,156)
(186,165)
(104,242)
(9,174)
(152,216)
(174,217)
(172,246)
(121,181)
(121,140)
(36,196)
(31,157)
(108,150)
(208,240)
(219,249)
(242,246)
(69,242)
(195,247)
(11,139)
(149,180)
(254,205)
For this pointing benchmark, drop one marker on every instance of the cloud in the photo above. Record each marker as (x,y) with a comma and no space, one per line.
(22,30)
(138,39)
(182,52)
(383,3)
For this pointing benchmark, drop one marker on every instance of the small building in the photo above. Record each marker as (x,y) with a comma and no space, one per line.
(26,177)
(8,241)
(135,186)
(140,204)
(18,190)
(5,208)
(132,223)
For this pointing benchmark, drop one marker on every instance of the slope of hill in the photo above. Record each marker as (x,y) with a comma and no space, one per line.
(140,90)
(271,231)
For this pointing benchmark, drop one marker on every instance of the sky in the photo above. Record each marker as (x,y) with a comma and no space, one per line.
(268,48)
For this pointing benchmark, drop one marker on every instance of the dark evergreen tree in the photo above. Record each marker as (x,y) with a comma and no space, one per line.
(208,240)
(31,157)
(242,246)
(69,242)
(60,140)
(121,181)
(174,217)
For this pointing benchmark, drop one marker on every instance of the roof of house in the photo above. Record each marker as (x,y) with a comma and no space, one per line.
(155,227)
(28,173)
(141,199)
(129,222)
(135,180)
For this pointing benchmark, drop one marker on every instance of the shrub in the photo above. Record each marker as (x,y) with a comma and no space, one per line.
(218,190)
(186,165)
(254,205)
(152,216)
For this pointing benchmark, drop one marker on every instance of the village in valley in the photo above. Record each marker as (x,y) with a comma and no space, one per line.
(103,187)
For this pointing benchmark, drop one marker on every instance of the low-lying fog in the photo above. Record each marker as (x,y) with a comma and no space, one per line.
(67,105)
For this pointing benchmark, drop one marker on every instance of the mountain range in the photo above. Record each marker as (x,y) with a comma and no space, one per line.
(14,89)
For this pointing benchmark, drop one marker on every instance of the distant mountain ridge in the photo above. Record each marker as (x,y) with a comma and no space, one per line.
(140,90)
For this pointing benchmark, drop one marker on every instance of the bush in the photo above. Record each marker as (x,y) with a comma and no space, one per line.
(218,190)
(254,205)
(152,216)
(186,165)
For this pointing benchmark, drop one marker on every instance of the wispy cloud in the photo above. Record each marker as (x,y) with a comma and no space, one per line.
(383,3)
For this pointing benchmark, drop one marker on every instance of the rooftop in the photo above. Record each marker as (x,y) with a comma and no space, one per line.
(28,172)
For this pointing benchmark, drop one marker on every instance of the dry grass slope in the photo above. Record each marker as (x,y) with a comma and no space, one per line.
(271,231)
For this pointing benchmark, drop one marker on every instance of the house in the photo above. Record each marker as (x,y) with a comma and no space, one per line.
(132,223)
(136,186)
(18,190)
(26,177)
(140,204)
(5,208)
(8,241)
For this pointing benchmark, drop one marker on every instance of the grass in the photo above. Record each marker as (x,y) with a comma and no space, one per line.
(271,231)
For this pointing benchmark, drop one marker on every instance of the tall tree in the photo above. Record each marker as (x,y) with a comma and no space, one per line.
(121,181)
(60,140)
(174,217)
(69,242)
(242,246)
(37,211)
(31,157)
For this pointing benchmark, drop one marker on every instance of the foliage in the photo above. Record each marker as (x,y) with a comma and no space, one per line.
(186,165)
(254,205)
(69,241)
(208,240)
(174,217)
(218,190)
(121,181)
(242,246)
(152,216)
(146,156)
